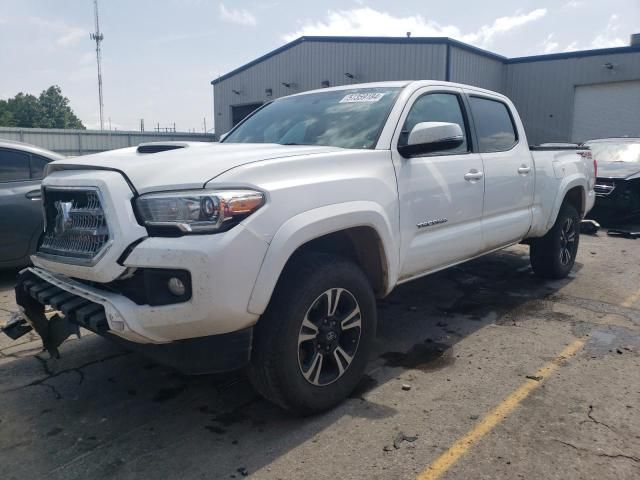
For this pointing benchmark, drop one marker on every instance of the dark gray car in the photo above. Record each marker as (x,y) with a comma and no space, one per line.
(618,183)
(21,170)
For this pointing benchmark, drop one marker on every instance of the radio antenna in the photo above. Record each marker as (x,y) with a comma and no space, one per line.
(98,37)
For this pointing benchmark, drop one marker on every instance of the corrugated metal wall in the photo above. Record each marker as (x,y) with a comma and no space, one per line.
(309,63)
(83,142)
(543,91)
(477,70)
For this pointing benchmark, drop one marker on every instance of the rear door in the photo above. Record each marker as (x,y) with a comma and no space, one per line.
(509,173)
(20,204)
(441,193)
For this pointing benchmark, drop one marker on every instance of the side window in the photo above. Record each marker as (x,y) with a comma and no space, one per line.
(494,125)
(37,167)
(14,166)
(436,107)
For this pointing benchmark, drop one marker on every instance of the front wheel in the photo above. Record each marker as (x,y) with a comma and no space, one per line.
(553,255)
(313,342)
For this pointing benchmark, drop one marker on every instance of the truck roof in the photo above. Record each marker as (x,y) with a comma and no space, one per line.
(398,84)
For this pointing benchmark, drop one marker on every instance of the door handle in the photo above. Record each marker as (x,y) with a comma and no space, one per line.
(34,195)
(524,169)
(473,175)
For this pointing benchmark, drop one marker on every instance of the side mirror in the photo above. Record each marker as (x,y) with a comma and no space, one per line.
(426,137)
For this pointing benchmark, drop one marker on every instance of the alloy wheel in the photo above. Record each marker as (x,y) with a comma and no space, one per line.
(567,241)
(329,336)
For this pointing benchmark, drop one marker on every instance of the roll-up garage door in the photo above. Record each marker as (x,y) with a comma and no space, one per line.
(606,110)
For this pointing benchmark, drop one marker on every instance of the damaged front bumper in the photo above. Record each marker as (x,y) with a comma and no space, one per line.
(34,292)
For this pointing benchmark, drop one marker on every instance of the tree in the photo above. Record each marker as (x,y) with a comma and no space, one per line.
(25,110)
(6,117)
(50,110)
(56,112)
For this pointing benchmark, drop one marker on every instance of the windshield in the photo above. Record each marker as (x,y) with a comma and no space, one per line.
(350,118)
(615,151)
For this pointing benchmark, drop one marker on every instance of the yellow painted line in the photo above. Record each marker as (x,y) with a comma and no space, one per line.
(495,416)
(631,300)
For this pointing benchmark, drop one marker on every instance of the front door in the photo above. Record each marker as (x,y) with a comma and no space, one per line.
(509,172)
(441,193)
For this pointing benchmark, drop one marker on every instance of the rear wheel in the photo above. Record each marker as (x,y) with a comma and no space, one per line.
(554,255)
(313,342)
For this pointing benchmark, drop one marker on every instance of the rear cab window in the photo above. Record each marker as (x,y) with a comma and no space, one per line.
(494,124)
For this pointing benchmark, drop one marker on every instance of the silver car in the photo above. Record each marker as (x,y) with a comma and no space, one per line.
(21,170)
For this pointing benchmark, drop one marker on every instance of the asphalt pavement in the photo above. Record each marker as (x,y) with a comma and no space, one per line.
(482,371)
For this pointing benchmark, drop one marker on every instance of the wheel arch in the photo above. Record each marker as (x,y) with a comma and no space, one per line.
(359,231)
(576,197)
(574,192)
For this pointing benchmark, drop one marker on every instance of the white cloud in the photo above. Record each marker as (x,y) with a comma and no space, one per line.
(608,37)
(367,21)
(572,47)
(505,24)
(549,45)
(239,16)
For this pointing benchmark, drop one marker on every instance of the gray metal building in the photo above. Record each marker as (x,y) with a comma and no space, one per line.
(562,97)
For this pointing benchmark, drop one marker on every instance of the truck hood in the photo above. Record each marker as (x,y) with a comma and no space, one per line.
(185,165)
(620,170)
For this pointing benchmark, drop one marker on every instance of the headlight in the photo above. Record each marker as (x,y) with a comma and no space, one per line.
(198,211)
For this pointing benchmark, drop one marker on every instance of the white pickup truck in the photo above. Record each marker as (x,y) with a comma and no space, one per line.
(268,250)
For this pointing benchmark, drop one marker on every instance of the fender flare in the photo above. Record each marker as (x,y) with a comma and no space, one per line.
(315,223)
(567,184)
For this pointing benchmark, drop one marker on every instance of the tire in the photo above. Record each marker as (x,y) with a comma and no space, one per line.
(553,255)
(285,369)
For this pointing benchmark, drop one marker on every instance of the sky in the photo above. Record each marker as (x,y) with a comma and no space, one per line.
(159,56)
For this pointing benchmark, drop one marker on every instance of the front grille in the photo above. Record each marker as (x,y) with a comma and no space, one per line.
(75,225)
(604,186)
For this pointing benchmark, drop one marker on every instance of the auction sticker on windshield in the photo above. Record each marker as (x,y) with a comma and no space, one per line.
(362,97)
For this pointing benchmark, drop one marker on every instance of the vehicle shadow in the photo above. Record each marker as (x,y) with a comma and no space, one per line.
(100,411)
(8,277)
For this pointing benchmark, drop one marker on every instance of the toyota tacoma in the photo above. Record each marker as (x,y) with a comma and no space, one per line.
(269,249)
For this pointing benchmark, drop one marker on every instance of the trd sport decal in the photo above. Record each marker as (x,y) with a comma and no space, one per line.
(430,223)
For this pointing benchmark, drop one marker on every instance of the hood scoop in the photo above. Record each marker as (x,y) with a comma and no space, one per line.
(157,147)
